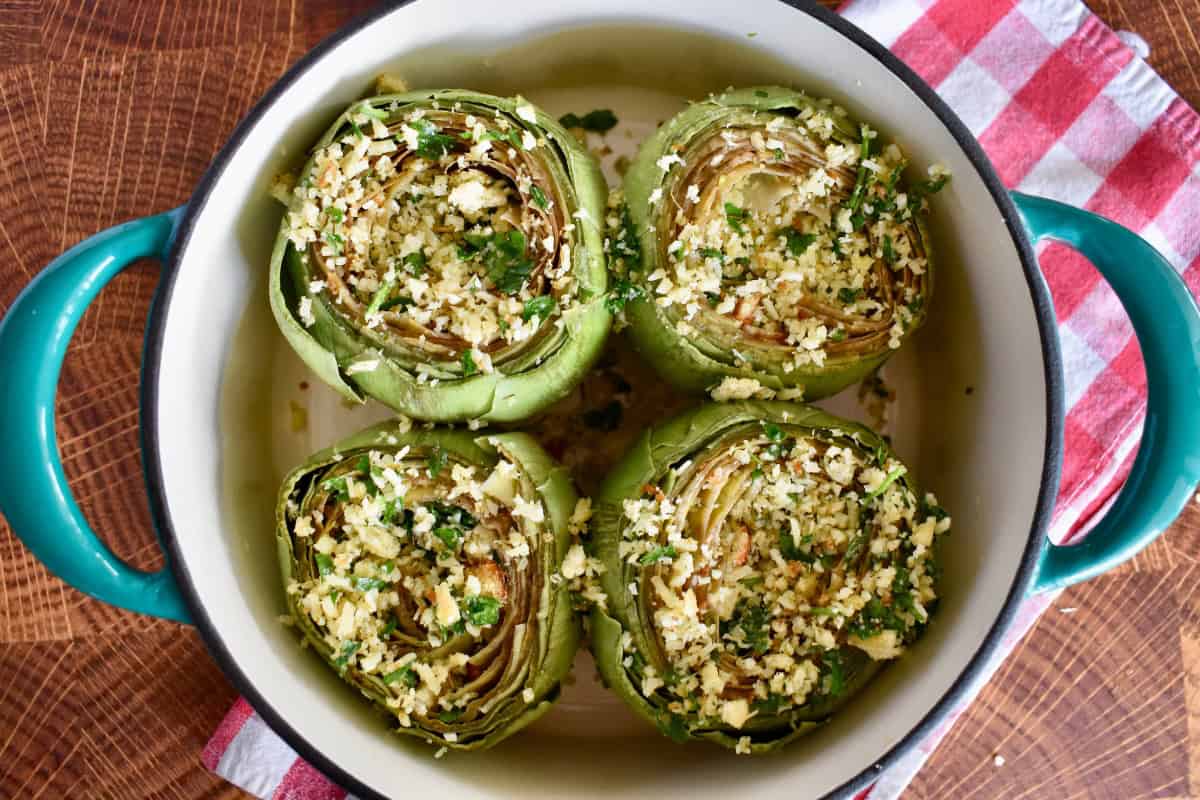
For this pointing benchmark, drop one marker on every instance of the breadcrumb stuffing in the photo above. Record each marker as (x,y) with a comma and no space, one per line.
(790,230)
(399,554)
(731,388)
(423,228)
(775,562)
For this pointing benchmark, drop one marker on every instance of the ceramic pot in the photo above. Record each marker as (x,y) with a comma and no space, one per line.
(217,377)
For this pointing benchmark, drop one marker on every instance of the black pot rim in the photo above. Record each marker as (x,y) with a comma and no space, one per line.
(1039,294)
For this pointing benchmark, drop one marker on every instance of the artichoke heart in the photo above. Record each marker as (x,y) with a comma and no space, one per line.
(441,253)
(761,560)
(425,591)
(781,246)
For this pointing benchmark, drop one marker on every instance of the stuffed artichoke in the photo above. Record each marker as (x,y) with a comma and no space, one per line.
(783,251)
(761,561)
(442,254)
(418,564)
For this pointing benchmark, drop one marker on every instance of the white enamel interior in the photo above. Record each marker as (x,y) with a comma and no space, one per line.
(226,374)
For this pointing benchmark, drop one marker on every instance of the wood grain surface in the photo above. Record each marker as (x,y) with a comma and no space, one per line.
(112,110)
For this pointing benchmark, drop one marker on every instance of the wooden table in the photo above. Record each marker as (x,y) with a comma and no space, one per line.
(111,113)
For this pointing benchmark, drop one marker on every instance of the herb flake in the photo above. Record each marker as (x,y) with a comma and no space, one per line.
(661,553)
(600,120)
(482,610)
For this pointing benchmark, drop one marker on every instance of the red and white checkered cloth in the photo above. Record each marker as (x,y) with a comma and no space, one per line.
(1067,109)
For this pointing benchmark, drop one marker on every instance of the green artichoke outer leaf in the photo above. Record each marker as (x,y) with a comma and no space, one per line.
(513,669)
(693,465)
(697,351)
(389,361)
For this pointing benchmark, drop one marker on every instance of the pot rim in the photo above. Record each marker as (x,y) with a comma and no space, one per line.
(1039,296)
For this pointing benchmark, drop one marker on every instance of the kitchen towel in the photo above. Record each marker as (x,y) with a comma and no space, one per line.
(1066,108)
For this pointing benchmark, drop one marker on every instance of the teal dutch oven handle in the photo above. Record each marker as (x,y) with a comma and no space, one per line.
(33,340)
(1164,316)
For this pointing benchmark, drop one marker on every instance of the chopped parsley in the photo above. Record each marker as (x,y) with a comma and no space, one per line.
(447,514)
(626,245)
(771,705)
(600,120)
(780,444)
(406,675)
(540,307)
(928,509)
(401,301)
(453,630)
(334,241)
(793,552)
(749,627)
(362,584)
(338,487)
(902,595)
(324,564)
(448,536)
(847,295)
(539,197)
(468,364)
(838,335)
(923,189)
(507,264)
(889,255)
(736,217)
(712,252)
(622,292)
(335,214)
(797,242)
(482,610)
(875,617)
(861,539)
(415,263)
(363,465)
(348,650)
(661,553)
(503,256)
(431,142)
(391,509)
(511,136)
(832,667)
